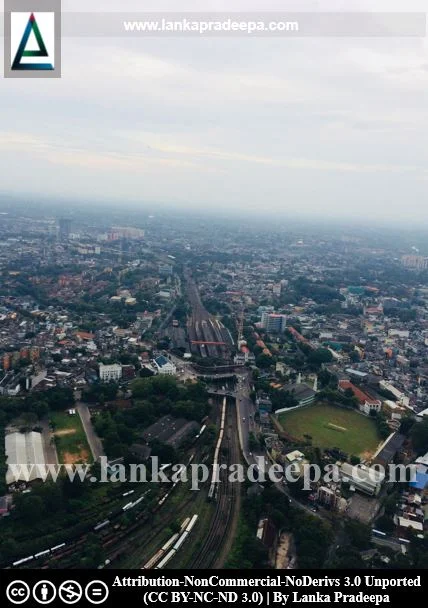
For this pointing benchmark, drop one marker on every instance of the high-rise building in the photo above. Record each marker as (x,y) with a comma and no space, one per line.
(273,322)
(417,262)
(64,228)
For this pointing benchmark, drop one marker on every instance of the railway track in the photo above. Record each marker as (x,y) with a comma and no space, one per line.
(207,335)
(228,492)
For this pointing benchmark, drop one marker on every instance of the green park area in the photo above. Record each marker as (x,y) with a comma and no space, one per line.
(333,427)
(70,438)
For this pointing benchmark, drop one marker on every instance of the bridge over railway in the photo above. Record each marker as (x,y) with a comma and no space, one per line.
(217,377)
(217,370)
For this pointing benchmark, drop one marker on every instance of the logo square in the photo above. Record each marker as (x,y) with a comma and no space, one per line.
(32,39)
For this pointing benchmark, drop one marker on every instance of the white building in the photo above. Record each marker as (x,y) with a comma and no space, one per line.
(400,396)
(398,333)
(245,356)
(410,523)
(110,373)
(362,478)
(369,405)
(274,322)
(25,449)
(165,366)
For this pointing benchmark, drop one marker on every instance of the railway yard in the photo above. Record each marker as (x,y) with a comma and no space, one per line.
(154,527)
(163,524)
(208,337)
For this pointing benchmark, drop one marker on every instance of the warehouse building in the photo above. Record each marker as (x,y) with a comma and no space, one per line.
(366,480)
(172,431)
(26,451)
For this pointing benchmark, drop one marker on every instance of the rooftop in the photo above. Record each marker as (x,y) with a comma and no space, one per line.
(161,361)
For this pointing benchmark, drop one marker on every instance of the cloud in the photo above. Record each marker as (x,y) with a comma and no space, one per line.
(61,153)
(308,123)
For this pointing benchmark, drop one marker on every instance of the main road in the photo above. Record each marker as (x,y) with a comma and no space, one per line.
(245,410)
(246,425)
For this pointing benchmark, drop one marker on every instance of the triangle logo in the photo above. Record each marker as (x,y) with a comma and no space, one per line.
(17,64)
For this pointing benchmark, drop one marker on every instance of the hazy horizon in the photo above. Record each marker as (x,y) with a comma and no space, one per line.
(328,128)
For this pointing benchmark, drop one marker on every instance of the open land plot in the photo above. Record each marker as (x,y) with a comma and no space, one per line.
(70,438)
(333,427)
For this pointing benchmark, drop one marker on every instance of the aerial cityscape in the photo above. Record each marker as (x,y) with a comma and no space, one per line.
(213,302)
(143,335)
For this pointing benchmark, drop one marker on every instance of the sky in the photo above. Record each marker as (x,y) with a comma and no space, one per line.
(313,126)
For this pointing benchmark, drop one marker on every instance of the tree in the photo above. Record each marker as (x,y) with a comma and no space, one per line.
(264,361)
(348,392)
(359,534)
(28,419)
(163,451)
(93,554)
(419,436)
(318,357)
(8,548)
(325,378)
(253,442)
(51,495)
(406,426)
(145,372)
(29,507)
(312,536)
(354,356)
(382,426)
(385,524)
(347,558)
(281,399)
(101,393)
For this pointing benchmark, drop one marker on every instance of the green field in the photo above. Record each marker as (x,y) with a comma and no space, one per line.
(70,438)
(333,427)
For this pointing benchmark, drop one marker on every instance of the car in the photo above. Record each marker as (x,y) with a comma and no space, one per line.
(243,419)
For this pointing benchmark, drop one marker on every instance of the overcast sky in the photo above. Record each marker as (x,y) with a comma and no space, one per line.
(309,125)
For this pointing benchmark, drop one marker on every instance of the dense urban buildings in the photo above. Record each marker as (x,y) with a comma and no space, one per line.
(129,338)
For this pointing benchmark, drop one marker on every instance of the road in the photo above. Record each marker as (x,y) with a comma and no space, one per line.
(94,441)
(246,425)
(245,411)
(185,370)
(245,414)
(167,319)
(51,456)
(386,541)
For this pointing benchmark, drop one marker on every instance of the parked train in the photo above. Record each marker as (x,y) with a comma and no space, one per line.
(214,477)
(178,543)
(37,555)
(158,556)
